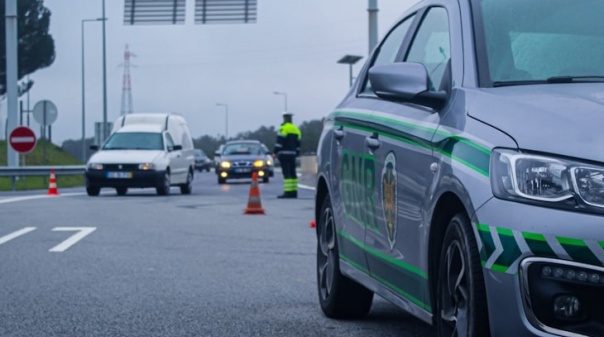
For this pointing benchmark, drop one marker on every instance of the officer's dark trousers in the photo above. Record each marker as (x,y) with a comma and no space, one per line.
(290,179)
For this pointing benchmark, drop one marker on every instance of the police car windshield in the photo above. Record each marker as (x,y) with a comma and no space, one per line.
(534,41)
(135,141)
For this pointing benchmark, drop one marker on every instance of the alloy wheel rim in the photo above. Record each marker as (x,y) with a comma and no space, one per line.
(327,243)
(455,293)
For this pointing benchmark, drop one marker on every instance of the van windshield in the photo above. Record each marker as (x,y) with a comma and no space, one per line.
(135,141)
(540,41)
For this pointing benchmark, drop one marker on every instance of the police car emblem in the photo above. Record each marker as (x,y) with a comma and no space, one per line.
(389,197)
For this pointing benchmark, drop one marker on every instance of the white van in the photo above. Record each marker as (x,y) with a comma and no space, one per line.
(144,150)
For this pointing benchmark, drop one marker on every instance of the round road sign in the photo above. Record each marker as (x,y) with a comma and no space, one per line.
(45,112)
(22,139)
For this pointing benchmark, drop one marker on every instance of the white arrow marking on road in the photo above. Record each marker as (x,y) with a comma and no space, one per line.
(16,234)
(72,240)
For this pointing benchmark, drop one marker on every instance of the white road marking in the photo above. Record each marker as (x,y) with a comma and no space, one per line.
(16,199)
(72,240)
(306,187)
(16,234)
(43,196)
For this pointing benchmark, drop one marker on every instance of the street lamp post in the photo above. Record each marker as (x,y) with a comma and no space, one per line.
(84,92)
(284,95)
(104,128)
(226,119)
(350,60)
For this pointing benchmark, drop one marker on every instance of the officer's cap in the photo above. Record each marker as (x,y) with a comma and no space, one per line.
(288,113)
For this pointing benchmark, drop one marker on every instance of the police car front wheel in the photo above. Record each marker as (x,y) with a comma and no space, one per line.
(461,300)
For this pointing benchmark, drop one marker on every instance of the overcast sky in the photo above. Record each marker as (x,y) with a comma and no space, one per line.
(292,48)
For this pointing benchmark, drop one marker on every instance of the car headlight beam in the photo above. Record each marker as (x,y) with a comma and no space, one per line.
(259,163)
(225,164)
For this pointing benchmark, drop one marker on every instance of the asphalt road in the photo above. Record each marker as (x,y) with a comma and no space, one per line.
(145,265)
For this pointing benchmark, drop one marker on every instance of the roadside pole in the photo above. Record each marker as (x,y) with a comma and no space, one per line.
(11,80)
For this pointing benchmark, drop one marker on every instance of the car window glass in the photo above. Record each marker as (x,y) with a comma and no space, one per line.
(169,141)
(242,149)
(199,153)
(528,45)
(390,47)
(134,141)
(431,45)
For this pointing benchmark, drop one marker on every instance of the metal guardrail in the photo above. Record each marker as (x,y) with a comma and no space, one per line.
(24,171)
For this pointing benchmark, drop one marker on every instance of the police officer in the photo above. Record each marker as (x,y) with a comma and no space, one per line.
(287,148)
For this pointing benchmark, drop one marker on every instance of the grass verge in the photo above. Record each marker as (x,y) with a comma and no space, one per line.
(54,156)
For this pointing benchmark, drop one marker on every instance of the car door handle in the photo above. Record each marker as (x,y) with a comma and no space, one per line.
(372,141)
(339,133)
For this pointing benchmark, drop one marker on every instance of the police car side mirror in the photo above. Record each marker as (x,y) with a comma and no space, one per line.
(177,147)
(405,82)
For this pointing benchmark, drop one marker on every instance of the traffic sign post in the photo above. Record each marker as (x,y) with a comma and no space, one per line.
(45,113)
(22,139)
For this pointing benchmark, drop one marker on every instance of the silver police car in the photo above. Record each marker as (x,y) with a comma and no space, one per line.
(462,177)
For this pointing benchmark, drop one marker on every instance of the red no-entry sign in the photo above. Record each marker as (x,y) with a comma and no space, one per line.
(22,139)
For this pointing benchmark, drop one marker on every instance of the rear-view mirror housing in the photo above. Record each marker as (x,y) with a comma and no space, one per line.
(405,82)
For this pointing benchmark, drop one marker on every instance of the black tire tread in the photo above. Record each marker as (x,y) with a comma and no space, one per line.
(348,299)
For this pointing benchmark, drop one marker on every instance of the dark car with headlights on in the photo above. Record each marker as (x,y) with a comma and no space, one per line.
(240,159)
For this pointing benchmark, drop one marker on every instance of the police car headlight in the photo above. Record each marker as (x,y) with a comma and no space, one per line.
(547,180)
(225,164)
(95,166)
(259,163)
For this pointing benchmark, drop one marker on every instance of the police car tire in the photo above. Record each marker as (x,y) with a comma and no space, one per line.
(345,299)
(453,311)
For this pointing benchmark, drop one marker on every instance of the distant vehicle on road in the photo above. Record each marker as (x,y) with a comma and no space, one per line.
(241,158)
(144,150)
(202,162)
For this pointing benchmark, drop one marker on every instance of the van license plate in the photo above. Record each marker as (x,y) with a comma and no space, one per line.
(119,175)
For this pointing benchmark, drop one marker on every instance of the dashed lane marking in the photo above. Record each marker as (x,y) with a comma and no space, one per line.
(14,235)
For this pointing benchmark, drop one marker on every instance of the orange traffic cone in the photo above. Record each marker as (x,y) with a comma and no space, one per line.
(254,206)
(52,185)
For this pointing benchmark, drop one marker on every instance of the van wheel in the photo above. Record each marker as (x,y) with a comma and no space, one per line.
(187,187)
(93,191)
(339,296)
(164,188)
(121,190)
(460,290)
